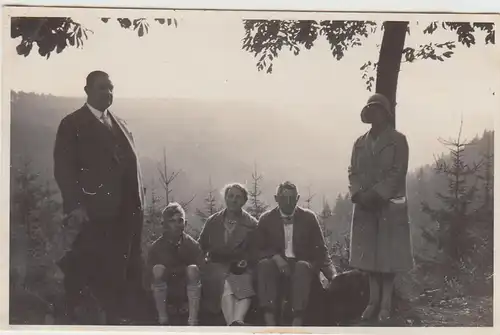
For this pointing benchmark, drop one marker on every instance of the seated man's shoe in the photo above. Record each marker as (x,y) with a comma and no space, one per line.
(163,321)
(297,321)
(270,319)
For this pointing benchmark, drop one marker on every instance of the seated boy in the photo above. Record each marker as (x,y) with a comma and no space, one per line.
(173,266)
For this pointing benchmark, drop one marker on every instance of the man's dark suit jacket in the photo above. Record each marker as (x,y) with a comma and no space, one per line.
(86,168)
(84,165)
(308,242)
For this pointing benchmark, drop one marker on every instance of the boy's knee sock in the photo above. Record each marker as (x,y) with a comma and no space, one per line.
(160,297)
(194,296)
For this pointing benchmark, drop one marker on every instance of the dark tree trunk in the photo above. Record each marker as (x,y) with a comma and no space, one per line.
(389,64)
(389,61)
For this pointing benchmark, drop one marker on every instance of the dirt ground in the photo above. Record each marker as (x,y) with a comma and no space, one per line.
(469,312)
(458,312)
(426,310)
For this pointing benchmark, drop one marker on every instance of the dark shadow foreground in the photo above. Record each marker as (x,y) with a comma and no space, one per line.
(341,305)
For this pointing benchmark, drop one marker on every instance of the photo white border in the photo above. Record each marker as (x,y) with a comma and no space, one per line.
(249,9)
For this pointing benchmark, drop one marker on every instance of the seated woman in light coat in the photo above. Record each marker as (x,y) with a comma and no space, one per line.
(227,240)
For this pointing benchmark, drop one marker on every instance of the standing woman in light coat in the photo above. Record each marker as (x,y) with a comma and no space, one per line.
(380,231)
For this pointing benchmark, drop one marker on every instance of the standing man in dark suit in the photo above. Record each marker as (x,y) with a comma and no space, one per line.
(97,170)
(291,244)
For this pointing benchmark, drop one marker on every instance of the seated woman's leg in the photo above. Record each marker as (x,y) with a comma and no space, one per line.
(228,303)
(301,288)
(193,293)
(267,281)
(159,289)
(240,309)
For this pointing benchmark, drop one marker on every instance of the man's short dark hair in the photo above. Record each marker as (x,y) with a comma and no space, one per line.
(173,208)
(92,77)
(287,185)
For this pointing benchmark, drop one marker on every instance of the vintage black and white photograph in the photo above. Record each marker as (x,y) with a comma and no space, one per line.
(237,168)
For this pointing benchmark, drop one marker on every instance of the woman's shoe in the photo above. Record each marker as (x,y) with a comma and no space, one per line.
(237,323)
(192,322)
(369,312)
(384,315)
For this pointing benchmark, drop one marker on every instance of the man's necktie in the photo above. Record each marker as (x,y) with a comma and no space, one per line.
(106,121)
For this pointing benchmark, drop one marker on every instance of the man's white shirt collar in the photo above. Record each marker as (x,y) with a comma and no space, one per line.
(97,113)
(284,216)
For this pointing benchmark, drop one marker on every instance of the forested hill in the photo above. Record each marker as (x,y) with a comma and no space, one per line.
(206,139)
(218,139)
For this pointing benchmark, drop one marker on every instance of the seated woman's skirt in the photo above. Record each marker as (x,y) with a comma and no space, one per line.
(239,285)
(213,285)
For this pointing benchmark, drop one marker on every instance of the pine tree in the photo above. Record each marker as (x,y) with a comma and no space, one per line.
(342,212)
(167,178)
(256,206)
(153,210)
(341,218)
(326,212)
(210,201)
(324,219)
(484,225)
(309,199)
(211,207)
(488,176)
(152,223)
(456,215)
(36,237)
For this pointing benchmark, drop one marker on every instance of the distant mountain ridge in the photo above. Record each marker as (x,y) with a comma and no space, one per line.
(220,140)
(206,139)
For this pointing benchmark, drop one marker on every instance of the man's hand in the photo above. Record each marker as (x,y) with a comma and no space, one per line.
(282,264)
(325,282)
(77,217)
(327,275)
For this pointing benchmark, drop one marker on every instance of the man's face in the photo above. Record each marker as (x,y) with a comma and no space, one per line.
(173,226)
(235,199)
(100,93)
(373,114)
(287,200)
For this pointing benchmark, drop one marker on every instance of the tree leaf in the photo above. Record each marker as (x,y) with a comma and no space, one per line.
(448,54)
(270,69)
(125,23)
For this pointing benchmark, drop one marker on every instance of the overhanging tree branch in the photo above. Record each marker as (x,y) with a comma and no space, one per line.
(57,33)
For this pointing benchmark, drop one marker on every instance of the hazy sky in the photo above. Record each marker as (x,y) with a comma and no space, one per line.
(203,59)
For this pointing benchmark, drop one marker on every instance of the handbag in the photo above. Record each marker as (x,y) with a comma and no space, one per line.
(238,267)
